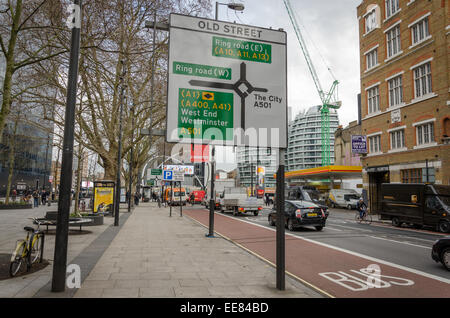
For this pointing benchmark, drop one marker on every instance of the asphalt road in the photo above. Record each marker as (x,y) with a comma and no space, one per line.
(403,246)
(336,258)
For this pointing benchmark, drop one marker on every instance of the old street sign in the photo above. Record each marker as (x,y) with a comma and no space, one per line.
(227,83)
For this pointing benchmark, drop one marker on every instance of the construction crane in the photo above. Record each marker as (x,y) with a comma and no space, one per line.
(329,99)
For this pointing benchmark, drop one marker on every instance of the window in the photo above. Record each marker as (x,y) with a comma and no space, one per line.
(425,134)
(375,144)
(422,80)
(373,99)
(392,7)
(395,91)
(411,175)
(420,31)
(371,21)
(418,175)
(393,42)
(372,59)
(430,177)
(398,139)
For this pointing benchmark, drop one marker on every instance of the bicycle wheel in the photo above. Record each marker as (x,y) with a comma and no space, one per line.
(17,258)
(368,218)
(35,248)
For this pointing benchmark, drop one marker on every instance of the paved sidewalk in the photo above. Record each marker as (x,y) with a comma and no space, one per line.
(155,255)
(11,230)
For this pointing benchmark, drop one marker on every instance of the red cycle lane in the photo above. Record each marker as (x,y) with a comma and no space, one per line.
(334,272)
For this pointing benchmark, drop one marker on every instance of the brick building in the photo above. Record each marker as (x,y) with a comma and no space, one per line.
(405,104)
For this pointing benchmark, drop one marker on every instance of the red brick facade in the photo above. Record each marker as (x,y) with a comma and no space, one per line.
(422,68)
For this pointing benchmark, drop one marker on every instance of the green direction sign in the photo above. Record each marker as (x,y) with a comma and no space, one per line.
(225,81)
(200,110)
(156,172)
(151,182)
(202,70)
(241,50)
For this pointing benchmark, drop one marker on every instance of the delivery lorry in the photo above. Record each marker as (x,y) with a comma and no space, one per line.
(416,204)
(219,186)
(196,197)
(343,198)
(236,200)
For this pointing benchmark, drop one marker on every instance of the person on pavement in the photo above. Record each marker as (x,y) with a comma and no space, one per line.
(361,207)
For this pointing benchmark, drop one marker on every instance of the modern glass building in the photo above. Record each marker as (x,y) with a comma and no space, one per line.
(305,139)
(247,159)
(33,148)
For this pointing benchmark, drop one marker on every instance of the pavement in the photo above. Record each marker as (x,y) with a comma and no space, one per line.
(150,255)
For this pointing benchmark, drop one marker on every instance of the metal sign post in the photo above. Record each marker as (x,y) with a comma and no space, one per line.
(212,199)
(280,222)
(181,203)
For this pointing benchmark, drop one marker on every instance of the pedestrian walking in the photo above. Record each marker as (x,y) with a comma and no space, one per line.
(36,198)
(136,198)
(43,197)
(14,195)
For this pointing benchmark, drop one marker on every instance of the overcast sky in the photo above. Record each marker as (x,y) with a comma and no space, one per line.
(330,29)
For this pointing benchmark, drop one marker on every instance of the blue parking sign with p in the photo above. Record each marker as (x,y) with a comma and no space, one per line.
(168,175)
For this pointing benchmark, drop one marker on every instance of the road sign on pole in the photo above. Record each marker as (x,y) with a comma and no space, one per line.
(168,175)
(225,76)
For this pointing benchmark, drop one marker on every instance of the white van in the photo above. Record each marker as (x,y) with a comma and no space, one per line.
(343,198)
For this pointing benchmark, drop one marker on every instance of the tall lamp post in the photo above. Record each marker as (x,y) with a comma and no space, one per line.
(212,201)
(119,152)
(130,166)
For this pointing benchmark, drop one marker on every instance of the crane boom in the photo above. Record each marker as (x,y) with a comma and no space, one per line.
(326,97)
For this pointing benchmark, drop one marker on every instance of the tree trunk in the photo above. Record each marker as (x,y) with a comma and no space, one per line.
(9,56)
(12,146)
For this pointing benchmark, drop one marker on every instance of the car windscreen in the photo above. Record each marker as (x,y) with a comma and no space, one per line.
(303,205)
(351,197)
(315,195)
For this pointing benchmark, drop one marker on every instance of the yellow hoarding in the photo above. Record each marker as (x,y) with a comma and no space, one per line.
(103,199)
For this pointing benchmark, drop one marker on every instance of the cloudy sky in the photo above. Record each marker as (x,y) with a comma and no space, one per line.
(330,30)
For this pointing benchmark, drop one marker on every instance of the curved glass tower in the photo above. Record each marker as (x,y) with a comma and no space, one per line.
(305,139)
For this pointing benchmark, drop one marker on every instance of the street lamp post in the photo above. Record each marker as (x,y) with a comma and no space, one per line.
(119,152)
(62,219)
(130,166)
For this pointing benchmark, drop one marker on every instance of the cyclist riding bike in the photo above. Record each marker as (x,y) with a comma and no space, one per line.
(362,208)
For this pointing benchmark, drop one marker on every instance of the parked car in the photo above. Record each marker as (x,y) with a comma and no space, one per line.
(300,213)
(441,252)
(416,204)
(306,193)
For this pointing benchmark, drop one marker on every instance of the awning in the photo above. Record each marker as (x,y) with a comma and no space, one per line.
(326,172)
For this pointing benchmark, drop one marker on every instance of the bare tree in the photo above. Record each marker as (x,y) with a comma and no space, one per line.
(26,38)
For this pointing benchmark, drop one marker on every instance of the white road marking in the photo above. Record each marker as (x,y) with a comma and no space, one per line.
(370,258)
(354,228)
(406,243)
(330,228)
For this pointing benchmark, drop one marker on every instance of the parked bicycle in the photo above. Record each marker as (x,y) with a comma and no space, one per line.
(366,217)
(28,251)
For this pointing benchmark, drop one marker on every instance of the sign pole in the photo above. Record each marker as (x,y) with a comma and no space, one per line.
(212,203)
(280,221)
(171,197)
(181,203)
